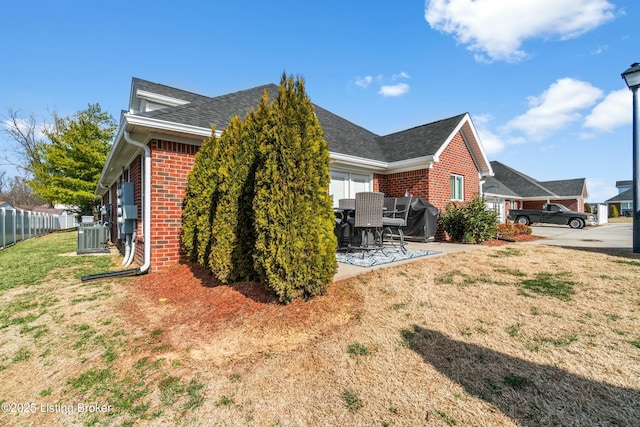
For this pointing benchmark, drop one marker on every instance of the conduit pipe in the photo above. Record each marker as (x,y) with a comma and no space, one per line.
(127,249)
(146,191)
(132,251)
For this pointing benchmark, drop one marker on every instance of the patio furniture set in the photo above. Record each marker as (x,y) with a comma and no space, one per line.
(371,221)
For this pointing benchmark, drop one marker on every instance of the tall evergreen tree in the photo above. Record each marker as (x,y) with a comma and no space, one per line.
(73,160)
(295,243)
(200,202)
(231,257)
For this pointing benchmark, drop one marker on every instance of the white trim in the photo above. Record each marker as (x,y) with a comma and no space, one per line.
(358,161)
(160,99)
(135,120)
(456,176)
(466,120)
(424,162)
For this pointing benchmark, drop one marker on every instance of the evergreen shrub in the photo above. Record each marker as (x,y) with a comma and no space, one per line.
(295,243)
(199,202)
(256,203)
(470,222)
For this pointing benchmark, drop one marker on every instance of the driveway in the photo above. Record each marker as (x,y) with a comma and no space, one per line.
(616,237)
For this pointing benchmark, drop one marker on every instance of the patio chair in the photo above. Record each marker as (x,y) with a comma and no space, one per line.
(395,217)
(368,220)
(345,221)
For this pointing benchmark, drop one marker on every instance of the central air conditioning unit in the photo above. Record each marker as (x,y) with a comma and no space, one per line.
(93,238)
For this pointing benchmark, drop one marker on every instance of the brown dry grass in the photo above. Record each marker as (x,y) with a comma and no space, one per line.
(455,340)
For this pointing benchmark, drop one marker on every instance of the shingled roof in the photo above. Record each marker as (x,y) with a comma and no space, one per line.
(625,196)
(342,136)
(510,182)
(402,145)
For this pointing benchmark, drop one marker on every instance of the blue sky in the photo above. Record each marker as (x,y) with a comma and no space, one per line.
(540,78)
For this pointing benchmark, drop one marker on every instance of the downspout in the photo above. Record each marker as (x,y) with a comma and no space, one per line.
(146,191)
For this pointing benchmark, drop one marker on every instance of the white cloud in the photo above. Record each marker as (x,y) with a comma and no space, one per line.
(600,189)
(491,142)
(364,81)
(498,28)
(389,86)
(401,75)
(394,90)
(614,111)
(555,108)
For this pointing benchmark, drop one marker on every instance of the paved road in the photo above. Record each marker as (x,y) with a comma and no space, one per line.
(609,236)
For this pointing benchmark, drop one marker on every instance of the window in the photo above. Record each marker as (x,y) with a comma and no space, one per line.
(457,187)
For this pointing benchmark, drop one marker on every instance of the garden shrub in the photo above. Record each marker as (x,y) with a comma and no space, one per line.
(613,211)
(470,222)
(295,241)
(521,229)
(233,236)
(256,203)
(510,230)
(200,201)
(506,230)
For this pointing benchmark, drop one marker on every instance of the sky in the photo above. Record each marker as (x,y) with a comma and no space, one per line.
(539,78)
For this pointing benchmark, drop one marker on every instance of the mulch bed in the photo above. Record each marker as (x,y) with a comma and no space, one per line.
(188,296)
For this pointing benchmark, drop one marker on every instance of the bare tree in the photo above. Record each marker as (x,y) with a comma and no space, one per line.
(25,132)
(3,181)
(18,193)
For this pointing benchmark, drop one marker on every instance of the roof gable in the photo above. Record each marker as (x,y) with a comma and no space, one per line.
(524,186)
(519,183)
(425,140)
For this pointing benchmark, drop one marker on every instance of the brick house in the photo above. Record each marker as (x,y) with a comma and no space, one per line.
(511,189)
(163,128)
(623,201)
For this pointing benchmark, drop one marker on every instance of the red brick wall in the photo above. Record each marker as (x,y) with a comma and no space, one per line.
(433,184)
(171,162)
(416,182)
(380,183)
(455,159)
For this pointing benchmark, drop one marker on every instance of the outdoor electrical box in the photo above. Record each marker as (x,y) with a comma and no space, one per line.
(127,210)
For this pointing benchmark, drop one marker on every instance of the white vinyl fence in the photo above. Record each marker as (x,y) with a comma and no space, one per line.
(17,225)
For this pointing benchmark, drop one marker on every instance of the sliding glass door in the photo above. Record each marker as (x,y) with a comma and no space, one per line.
(345,185)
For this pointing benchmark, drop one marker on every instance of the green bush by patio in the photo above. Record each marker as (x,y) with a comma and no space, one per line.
(470,222)
(257,205)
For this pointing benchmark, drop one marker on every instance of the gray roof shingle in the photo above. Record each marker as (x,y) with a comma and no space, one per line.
(566,187)
(510,182)
(625,196)
(419,141)
(342,136)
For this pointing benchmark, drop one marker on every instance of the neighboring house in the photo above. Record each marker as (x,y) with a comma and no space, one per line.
(164,127)
(510,189)
(624,200)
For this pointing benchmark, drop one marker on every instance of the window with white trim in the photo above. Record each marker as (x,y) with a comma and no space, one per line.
(457,187)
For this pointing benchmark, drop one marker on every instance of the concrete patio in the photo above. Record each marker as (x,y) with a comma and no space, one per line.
(348,270)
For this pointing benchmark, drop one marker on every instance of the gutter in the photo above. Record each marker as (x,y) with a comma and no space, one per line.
(147,218)
(146,191)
